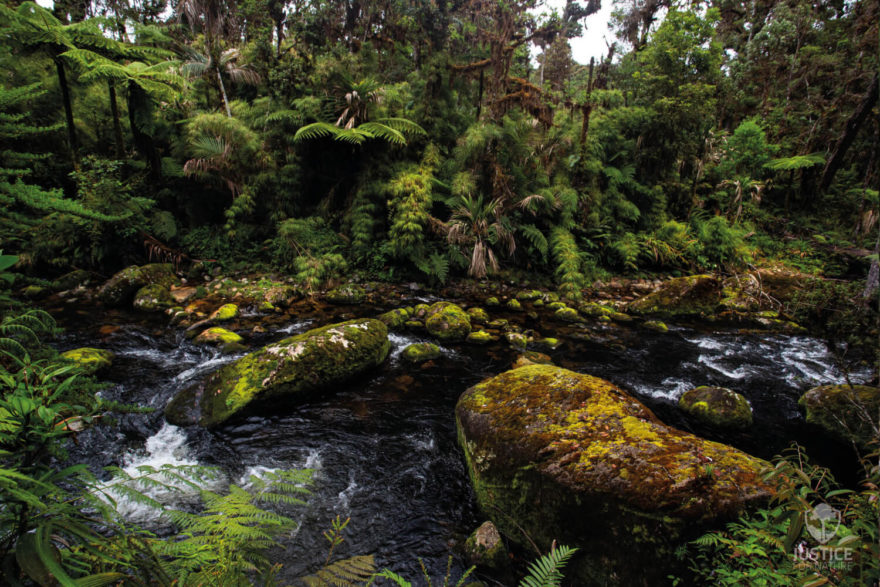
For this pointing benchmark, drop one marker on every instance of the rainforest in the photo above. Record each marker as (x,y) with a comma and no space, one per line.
(439,292)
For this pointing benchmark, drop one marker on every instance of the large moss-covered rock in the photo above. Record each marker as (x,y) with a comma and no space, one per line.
(844,412)
(717,406)
(571,457)
(447,321)
(89,360)
(121,288)
(349,293)
(153,298)
(308,362)
(681,296)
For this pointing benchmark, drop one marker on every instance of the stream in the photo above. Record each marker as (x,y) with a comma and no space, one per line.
(383,447)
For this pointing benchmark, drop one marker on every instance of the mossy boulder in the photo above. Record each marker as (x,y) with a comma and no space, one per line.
(225,313)
(717,406)
(349,293)
(479,337)
(656,326)
(421,352)
(478,315)
(557,305)
(517,340)
(514,305)
(485,548)
(492,301)
(559,455)
(549,343)
(89,360)
(566,314)
(844,412)
(306,363)
(121,288)
(153,298)
(396,318)
(72,280)
(681,296)
(447,321)
(529,295)
(217,336)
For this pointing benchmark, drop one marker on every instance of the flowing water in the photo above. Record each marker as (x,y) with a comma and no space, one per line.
(383,447)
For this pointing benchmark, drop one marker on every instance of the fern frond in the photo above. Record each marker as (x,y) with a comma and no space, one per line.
(547,570)
(348,572)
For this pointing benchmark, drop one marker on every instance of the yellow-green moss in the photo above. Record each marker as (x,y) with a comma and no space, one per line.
(447,321)
(571,457)
(217,335)
(478,315)
(479,337)
(420,352)
(317,359)
(717,406)
(90,360)
(225,313)
(691,295)
(566,314)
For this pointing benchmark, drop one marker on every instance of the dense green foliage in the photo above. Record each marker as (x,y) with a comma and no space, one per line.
(427,139)
(407,140)
(773,545)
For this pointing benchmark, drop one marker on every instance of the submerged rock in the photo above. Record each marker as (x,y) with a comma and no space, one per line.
(447,321)
(421,352)
(308,362)
(121,288)
(844,412)
(153,298)
(349,293)
(717,406)
(89,360)
(485,548)
(571,457)
(681,296)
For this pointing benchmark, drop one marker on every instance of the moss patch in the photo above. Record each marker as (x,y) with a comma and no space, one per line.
(121,288)
(717,406)
(479,337)
(478,315)
(420,352)
(349,293)
(447,321)
(89,360)
(225,313)
(681,296)
(217,335)
(315,360)
(842,411)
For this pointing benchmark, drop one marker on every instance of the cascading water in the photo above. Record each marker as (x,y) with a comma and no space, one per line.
(383,448)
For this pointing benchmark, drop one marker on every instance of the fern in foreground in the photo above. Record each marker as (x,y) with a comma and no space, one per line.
(547,570)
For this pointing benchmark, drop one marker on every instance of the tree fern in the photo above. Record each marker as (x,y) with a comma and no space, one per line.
(547,570)
(536,238)
(568,263)
(795,162)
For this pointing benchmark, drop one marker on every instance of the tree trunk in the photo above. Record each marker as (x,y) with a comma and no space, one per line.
(139,105)
(853,125)
(68,111)
(480,95)
(223,92)
(117,125)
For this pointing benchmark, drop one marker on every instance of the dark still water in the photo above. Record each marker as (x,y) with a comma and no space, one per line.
(383,448)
